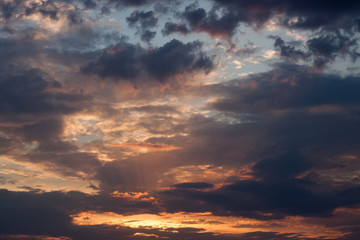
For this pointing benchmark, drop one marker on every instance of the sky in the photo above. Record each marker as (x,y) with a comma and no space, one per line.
(179,120)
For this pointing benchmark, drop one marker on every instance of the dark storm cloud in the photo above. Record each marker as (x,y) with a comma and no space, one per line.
(331,44)
(308,14)
(20,92)
(126,61)
(143,21)
(29,113)
(290,87)
(29,96)
(128,2)
(289,51)
(24,92)
(292,109)
(43,130)
(310,119)
(285,166)
(193,185)
(50,212)
(199,20)
(224,25)
(55,145)
(120,61)
(170,28)
(226,15)
(71,163)
(32,107)
(194,14)
(147,36)
(323,48)
(49,215)
(175,58)
(278,192)
(296,108)
(44,215)
(8,9)
(89,4)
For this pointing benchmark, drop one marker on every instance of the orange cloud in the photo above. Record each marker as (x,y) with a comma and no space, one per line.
(146,146)
(146,235)
(135,196)
(34,237)
(207,222)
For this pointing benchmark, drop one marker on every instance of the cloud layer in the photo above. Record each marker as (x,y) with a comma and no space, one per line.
(212,119)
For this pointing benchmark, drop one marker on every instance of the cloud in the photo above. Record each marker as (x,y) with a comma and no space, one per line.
(127,62)
(279,193)
(177,58)
(285,166)
(194,185)
(296,14)
(6,144)
(309,111)
(121,61)
(295,137)
(50,214)
(199,20)
(143,21)
(23,93)
(89,4)
(226,15)
(289,86)
(29,110)
(133,174)
(327,46)
(147,146)
(278,144)
(72,163)
(147,36)
(171,28)
(280,113)
(128,2)
(289,51)
(54,10)
(17,216)
(32,110)
(323,48)
(42,131)
(27,93)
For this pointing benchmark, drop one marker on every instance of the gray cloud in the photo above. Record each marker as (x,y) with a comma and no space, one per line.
(199,20)
(289,51)
(277,194)
(126,61)
(143,21)
(309,14)
(289,86)
(226,15)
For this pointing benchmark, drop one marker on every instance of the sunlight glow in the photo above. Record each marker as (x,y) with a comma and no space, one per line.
(206,222)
